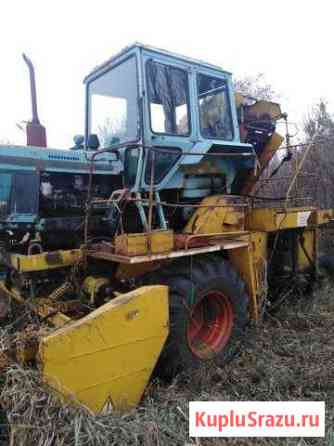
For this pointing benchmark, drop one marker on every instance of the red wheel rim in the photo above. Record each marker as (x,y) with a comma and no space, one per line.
(210,325)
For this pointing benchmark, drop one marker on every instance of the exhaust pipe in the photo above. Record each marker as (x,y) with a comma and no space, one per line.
(36,133)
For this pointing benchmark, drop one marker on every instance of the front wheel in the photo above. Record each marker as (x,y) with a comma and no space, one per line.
(208,313)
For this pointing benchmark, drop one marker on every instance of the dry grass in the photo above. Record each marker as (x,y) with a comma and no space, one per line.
(289,357)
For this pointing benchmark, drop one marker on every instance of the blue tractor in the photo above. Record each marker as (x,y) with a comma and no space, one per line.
(141,104)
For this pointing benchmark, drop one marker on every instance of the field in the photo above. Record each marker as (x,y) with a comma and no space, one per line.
(290,356)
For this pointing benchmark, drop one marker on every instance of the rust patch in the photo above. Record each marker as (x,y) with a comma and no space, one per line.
(53,258)
(131,315)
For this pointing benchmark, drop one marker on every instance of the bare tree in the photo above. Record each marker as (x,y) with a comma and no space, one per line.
(314,184)
(319,124)
(256,86)
(111,131)
(5,141)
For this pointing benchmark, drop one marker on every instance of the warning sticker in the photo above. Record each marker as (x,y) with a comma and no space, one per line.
(302,218)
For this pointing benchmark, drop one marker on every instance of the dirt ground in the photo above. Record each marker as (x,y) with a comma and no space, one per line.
(290,356)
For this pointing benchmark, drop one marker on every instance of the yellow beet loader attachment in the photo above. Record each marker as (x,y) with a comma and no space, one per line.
(105,359)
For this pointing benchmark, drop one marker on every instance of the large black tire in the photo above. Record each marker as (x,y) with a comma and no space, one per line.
(326,262)
(4,428)
(208,313)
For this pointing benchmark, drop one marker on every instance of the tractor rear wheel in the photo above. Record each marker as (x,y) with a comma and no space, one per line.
(208,313)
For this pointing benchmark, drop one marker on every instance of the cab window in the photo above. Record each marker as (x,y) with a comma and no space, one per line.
(214,109)
(168,93)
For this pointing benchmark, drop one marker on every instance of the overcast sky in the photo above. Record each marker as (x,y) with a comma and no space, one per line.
(290,42)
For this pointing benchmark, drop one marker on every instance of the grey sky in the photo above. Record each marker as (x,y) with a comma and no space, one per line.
(290,42)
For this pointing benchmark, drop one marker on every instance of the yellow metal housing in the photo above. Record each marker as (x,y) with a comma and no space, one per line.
(263,107)
(321,216)
(143,243)
(271,219)
(307,249)
(252,264)
(106,358)
(264,158)
(216,216)
(44,261)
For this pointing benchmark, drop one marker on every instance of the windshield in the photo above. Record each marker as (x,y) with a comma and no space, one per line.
(113,105)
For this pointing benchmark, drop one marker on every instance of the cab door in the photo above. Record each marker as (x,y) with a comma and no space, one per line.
(168,119)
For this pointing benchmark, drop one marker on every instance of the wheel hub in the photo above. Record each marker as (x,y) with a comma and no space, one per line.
(210,325)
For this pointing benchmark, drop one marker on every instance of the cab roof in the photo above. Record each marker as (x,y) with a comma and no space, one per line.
(105,65)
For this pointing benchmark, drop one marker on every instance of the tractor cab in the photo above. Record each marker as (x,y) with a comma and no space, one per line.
(168,115)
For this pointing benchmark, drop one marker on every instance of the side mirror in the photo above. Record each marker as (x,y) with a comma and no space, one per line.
(93,142)
(78,142)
